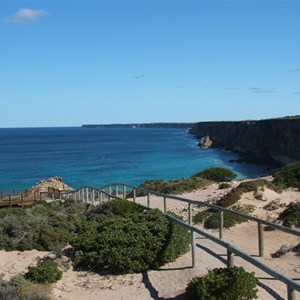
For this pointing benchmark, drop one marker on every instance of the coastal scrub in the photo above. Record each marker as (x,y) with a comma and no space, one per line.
(132,242)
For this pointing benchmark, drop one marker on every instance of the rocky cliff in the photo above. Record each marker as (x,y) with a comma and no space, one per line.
(263,141)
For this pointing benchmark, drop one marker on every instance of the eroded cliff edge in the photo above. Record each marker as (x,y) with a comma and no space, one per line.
(264,141)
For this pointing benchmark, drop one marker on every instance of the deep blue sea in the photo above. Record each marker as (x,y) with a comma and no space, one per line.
(98,156)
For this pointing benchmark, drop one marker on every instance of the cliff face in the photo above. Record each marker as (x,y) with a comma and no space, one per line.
(264,141)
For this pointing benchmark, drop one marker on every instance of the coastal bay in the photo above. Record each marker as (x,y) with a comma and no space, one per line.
(98,156)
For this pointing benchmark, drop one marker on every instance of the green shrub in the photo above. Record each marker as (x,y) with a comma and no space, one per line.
(223,284)
(287,176)
(201,216)
(122,208)
(46,271)
(176,243)
(216,174)
(244,187)
(44,226)
(229,220)
(291,215)
(224,185)
(18,288)
(132,242)
(176,187)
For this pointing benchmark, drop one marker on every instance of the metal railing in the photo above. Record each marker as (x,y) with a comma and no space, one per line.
(95,195)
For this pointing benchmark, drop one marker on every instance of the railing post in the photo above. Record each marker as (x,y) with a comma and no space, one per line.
(9,199)
(101,197)
(193,245)
(124,192)
(230,259)
(59,195)
(291,293)
(53,197)
(22,200)
(148,200)
(261,239)
(165,205)
(93,197)
(116,190)
(221,229)
(86,195)
(109,192)
(134,195)
(190,213)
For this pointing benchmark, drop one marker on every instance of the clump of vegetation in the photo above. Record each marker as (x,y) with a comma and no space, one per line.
(18,288)
(223,283)
(224,185)
(211,218)
(179,186)
(273,205)
(291,215)
(176,187)
(138,241)
(245,187)
(200,216)
(44,226)
(287,176)
(216,174)
(46,271)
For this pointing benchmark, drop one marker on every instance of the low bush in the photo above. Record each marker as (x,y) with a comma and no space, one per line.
(18,288)
(137,242)
(201,216)
(216,174)
(291,215)
(245,187)
(176,187)
(46,271)
(229,220)
(122,208)
(287,176)
(223,284)
(176,243)
(44,226)
(224,185)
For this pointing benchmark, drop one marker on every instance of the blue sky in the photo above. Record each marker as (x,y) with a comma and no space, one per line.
(67,63)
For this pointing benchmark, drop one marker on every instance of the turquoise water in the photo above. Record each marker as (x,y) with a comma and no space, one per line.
(98,156)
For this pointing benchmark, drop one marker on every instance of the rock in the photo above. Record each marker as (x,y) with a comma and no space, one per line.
(48,185)
(205,142)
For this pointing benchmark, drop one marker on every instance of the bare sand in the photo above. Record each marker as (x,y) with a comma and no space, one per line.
(170,281)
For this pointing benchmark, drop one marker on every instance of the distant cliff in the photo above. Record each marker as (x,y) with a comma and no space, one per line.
(263,141)
(140,125)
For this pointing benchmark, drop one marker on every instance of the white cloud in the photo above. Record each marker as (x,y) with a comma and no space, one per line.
(260,90)
(139,76)
(26,15)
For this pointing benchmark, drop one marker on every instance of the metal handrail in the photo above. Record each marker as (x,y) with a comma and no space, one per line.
(292,285)
(215,207)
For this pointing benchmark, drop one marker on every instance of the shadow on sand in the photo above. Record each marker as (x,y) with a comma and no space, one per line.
(154,293)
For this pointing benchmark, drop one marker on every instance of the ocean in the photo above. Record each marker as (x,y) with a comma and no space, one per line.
(98,156)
